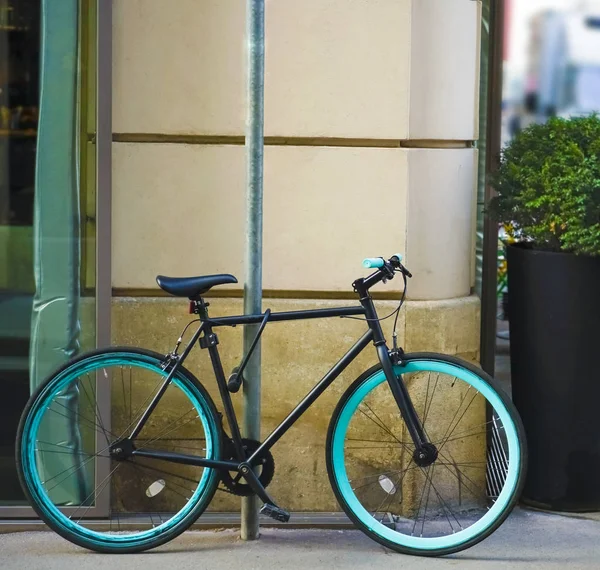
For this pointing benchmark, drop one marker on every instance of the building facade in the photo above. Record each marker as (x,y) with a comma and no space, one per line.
(371,118)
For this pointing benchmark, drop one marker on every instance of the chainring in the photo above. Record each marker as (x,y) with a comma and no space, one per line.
(235,483)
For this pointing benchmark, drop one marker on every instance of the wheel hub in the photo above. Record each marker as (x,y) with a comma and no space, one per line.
(425,455)
(122,449)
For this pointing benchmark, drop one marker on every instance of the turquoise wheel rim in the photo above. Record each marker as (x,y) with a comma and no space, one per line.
(29,459)
(415,542)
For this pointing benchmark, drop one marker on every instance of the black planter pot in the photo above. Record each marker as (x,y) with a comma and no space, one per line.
(554,303)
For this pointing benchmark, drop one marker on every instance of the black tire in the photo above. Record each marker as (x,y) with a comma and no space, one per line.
(191,383)
(368,375)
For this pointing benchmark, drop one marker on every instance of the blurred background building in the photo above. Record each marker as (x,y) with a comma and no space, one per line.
(552,61)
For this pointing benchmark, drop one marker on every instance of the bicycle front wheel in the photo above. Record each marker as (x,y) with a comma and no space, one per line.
(438,503)
(108,501)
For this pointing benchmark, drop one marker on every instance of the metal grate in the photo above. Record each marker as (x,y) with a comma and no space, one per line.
(497,458)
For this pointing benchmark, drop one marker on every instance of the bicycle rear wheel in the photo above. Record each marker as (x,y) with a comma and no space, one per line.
(86,494)
(451,500)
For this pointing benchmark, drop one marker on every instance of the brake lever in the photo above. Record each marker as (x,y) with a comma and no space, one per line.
(405,271)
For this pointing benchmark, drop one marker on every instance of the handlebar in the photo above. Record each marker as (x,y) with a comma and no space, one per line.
(386,268)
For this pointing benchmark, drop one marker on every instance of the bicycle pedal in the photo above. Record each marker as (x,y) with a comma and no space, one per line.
(275,512)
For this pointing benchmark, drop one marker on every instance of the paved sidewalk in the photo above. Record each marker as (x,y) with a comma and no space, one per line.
(527,540)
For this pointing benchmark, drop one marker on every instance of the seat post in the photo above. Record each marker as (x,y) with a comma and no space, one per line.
(202,308)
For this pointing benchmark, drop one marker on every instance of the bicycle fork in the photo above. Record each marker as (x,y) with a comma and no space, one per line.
(425,452)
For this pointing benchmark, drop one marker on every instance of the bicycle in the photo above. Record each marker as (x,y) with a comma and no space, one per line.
(411,474)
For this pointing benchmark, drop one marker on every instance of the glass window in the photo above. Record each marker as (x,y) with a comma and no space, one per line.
(47,274)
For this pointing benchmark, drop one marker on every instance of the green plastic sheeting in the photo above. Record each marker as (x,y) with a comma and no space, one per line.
(55,319)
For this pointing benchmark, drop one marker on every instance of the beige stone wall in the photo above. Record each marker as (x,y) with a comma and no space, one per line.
(296,355)
(322,205)
(370,118)
(444,101)
(377,69)
(372,73)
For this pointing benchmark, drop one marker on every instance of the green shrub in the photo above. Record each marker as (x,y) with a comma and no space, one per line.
(548,186)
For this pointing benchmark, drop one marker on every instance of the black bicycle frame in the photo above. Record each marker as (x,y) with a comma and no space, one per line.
(209,340)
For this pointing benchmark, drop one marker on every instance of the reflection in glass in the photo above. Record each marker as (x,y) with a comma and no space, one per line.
(19,97)
(47,307)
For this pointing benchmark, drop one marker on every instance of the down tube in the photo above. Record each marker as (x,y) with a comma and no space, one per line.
(314,394)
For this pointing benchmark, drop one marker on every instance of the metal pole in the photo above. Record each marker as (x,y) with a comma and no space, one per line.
(489,307)
(255,32)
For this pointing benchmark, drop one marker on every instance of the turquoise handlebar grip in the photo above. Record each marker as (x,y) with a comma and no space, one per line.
(373,262)
(377,262)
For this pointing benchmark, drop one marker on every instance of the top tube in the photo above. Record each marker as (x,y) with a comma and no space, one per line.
(286,316)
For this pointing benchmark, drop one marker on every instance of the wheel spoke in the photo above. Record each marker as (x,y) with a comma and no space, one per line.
(371,446)
(379,423)
(428,408)
(124,397)
(457,437)
(67,448)
(89,422)
(387,499)
(130,396)
(190,492)
(446,509)
(445,440)
(430,478)
(412,532)
(94,403)
(482,493)
(446,434)
(76,469)
(70,453)
(137,463)
(167,430)
(142,408)
(73,469)
(379,475)
(101,486)
(467,464)
(372,440)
